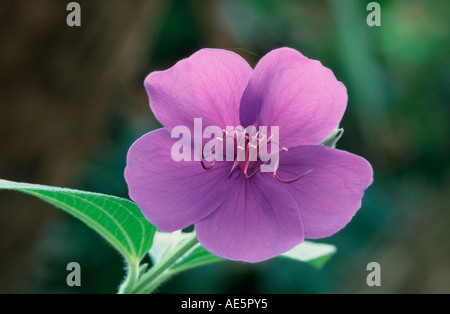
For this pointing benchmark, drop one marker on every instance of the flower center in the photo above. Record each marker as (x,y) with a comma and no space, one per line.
(247,160)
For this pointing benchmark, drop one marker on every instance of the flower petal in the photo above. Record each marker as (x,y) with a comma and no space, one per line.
(172,195)
(297,94)
(208,85)
(259,220)
(328,196)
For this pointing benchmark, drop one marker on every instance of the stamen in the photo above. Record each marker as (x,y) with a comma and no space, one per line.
(204,158)
(208,167)
(255,137)
(259,139)
(213,150)
(233,168)
(266,142)
(248,177)
(244,145)
(276,177)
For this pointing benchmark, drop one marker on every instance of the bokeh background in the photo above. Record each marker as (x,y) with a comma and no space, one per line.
(72,102)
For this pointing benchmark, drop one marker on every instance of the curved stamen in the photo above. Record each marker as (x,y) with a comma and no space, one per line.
(269,141)
(276,177)
(248,177)
(233,168)
(207,167)
(204,158)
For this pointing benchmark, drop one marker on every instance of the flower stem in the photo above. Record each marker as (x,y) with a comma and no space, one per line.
(159,272)
(132,277)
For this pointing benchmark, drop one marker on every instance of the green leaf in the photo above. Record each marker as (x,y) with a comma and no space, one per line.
(118,220)
(332,140)
(164,243)
(198,256)
(316,254)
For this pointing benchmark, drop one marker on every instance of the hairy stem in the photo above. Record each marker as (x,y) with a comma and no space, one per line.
(160,272)
(132,277)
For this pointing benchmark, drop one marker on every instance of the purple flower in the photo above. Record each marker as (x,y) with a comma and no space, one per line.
(249,218)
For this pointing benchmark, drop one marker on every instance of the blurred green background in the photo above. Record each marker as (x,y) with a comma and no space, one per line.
(72,102)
